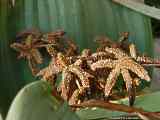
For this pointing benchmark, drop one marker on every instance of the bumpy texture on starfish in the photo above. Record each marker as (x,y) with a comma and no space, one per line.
(121,65)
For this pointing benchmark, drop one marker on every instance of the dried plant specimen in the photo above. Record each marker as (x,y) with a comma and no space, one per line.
(53,37)
(75,69)
(50,72)
(68,85)
(24,34)
(85,75)
(123,64)
(28,49)
(142,59)
(75,98)
(75,77)
(104,41)
(57,42)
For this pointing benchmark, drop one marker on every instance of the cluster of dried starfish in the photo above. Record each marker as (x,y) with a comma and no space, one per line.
(87,75)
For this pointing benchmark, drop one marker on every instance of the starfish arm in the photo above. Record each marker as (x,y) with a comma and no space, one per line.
(67,78)
(127,78)
(82,75)
(111,80)
(132,95)
(74,99)
(136,68)
(49,71)
(43,72)
(133,52)
(143,59)
(61,60)
(32,65)
(63,90)
(129,85)
(148,61)
(29,40)
(99,56)
(78,62)
(103,64)
(51,50)
(22,55)
(116,51)
(86,53)
(37,56)
(46,73)
(17,46)
(65,84)
(54,67)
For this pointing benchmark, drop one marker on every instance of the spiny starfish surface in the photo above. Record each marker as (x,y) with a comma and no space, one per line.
(122,64)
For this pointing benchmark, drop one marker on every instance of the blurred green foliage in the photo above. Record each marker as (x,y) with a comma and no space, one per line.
(155,3)
(155,23)
(35,102)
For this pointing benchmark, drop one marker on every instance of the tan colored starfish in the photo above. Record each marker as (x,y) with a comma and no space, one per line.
(142,59)
(73,69)
(122,64)
(50,72)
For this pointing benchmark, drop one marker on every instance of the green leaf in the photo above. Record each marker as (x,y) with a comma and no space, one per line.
(97,113)
(148,102)
(34,102)
(10,80)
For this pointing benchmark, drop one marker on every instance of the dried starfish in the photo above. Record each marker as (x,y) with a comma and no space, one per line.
(59,43)
(74,68)
(53,39)
(104,41)
(144,60)
(122,65)
(50,72)
(28,49)
(85,75)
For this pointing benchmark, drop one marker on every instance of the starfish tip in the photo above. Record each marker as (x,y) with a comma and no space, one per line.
(93,67)
(148,78)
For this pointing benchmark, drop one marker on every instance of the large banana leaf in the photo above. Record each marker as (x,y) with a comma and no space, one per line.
(81,19)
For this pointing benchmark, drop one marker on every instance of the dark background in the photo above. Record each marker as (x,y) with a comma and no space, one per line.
(155,23)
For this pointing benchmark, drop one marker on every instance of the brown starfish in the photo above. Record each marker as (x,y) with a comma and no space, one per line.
(28,49)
